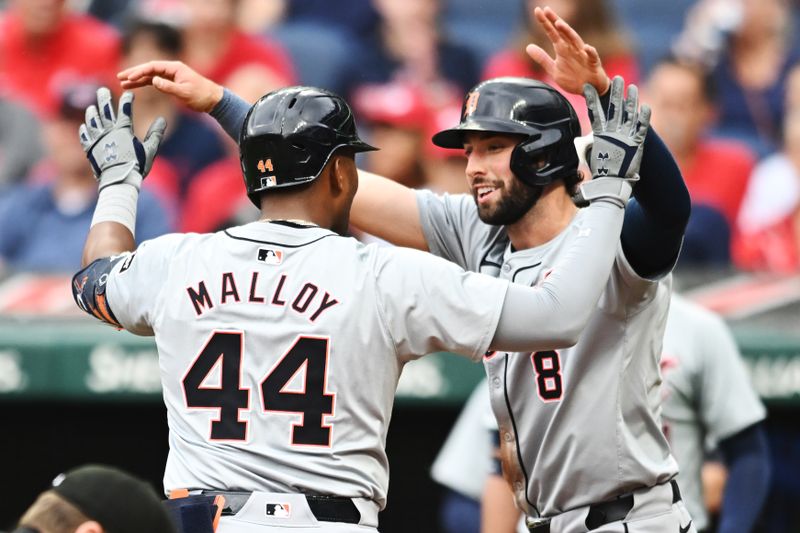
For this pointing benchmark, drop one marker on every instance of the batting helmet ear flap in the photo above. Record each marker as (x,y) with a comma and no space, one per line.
(543,158)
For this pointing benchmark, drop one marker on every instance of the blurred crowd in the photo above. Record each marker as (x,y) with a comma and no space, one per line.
(722,79)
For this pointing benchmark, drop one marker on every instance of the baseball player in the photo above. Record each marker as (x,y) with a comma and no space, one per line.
(279,370)
(708,396)
(581,434)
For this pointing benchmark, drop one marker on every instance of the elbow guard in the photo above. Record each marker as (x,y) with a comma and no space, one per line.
(89,288)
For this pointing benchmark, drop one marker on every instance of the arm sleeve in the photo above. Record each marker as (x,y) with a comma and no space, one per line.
(656,216)
(230,113)
(553,314)
(746,456)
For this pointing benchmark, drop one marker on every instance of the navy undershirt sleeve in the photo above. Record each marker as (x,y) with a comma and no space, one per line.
(746,456)
(230,112)
(656,216)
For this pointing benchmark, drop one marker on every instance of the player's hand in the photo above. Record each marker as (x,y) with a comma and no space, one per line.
(576,63)
(115,153)
(175,79)
(619,134)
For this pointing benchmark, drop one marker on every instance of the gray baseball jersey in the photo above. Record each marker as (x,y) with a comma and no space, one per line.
(708,394)
(578,425)
(280,349)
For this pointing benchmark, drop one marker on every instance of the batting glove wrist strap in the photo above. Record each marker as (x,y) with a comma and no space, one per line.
(612,189)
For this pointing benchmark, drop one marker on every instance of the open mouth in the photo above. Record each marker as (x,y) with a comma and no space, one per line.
(484,193)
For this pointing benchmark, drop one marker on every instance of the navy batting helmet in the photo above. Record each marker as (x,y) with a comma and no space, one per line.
(525,107)
(289,135)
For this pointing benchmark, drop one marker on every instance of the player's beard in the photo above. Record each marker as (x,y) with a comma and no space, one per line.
(515,200)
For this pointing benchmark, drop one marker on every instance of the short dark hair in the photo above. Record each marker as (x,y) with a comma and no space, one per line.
(167,38)
(572,181)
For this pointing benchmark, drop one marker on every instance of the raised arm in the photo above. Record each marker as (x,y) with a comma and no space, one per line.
(381,207)
(120,162)
(558,310)
(388,210)
(656,218)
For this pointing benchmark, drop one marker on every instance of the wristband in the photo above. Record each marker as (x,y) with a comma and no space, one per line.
(117,204)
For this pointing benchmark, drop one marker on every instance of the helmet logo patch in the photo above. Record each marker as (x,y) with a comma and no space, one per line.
(472,103)
(269,181)
(265,165)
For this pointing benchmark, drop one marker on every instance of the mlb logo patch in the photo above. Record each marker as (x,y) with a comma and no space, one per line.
(270,256)
(279,510)
(268,181)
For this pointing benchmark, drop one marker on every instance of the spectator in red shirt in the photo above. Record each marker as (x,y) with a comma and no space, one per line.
(716,172)
(43,46)
(592,19)
(768,236)
(215,47)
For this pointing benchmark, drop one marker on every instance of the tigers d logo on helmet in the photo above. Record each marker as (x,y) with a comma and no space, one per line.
(472,103)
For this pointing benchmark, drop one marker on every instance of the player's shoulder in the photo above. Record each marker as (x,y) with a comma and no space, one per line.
(427,196)
(402,257)
(692,315)
(171,245)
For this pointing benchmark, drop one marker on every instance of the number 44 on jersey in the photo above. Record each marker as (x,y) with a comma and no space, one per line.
(225,349)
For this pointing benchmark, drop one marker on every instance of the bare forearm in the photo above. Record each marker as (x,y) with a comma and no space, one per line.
(106,239)
(387,210)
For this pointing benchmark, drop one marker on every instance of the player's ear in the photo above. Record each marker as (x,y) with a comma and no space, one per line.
(343,171)
(337,174)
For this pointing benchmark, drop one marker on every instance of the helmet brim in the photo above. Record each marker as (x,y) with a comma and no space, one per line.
(454,137)
(361,146)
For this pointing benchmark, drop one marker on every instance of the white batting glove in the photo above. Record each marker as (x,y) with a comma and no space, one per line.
(116,155)
(616,152)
